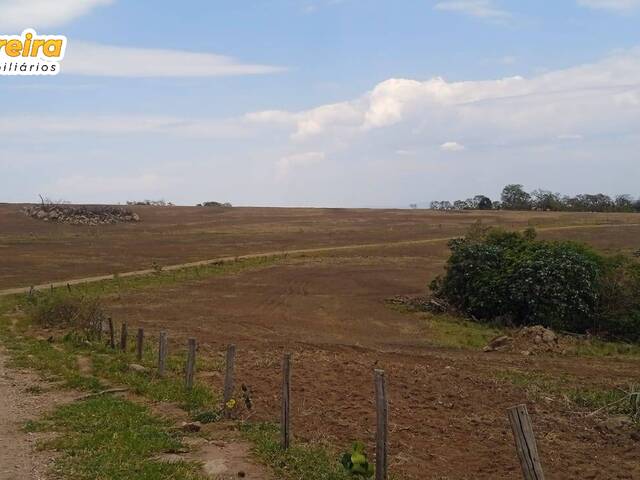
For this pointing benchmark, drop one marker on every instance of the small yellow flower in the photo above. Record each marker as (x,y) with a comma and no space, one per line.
(231,404)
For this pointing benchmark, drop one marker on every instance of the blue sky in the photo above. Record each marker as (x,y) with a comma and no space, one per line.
(323,102)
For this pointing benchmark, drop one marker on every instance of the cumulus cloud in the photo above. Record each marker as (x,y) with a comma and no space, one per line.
(598,97)
(287,164)
(452,147)
(615,5)
(16,15)
(475,8)
(83,58)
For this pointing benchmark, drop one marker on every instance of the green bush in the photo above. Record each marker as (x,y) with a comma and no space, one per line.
(63,309)
(492,274)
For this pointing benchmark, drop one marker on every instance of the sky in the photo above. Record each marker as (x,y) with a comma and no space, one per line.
(327,103)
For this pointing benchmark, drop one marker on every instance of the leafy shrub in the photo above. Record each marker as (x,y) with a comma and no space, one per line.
(356,463)
(63,309)
(493,274)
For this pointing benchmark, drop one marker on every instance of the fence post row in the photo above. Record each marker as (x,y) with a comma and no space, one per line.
(229,381)
(525,443)
(112,334)
(140,344)
(286,402)
(382,426)
(162,353)
(124,334)
(191,363)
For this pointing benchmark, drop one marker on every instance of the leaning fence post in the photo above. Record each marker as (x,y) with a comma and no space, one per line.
(140,344)
(112,334)
(124,337)
(229,378)
(285,421)
(525,443)
(382,426)
(191,364)
(162,353)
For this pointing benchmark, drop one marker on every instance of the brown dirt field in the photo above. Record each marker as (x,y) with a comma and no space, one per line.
(35,252)
(447,406)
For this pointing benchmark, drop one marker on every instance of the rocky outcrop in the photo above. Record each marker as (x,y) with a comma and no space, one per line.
(81,214)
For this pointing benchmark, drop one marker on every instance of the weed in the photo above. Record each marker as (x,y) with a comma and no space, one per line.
(308,462)
(111,438)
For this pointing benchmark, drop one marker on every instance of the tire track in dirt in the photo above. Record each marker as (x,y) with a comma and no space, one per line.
(295,253)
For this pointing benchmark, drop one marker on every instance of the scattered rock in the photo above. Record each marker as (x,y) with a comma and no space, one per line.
(191,426)
(81,214)
(502,342)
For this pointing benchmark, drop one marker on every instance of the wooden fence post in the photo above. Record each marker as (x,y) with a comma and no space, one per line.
(525,443)
(162,353)
(140,344)
(191,363)
(112,334)
(285,421)
(124,336)
(229,381)
(382,426)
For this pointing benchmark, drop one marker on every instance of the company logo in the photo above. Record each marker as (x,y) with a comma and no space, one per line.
(31,54)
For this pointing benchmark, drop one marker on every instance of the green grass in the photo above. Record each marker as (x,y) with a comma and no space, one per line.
(600,348)
(588,399)
(449,331)
(170,277)
(300,462)
(611,401)
(536,384)
(112,439)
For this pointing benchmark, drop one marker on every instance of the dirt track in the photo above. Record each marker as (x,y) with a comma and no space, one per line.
(447,405)
(35,252)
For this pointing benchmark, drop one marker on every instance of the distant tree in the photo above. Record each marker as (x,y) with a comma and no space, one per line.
(460,205)
(483,203)
(413,206)
(545,200)
(636,205)
(436,205)
(515,198)
(624,203)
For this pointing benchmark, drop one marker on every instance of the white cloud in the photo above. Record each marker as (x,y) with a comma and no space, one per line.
(16,15)
(592,97)
(126,125)
(475,8)
(84,58)
(286,165)
(615,5)
(452,147)
(513,127)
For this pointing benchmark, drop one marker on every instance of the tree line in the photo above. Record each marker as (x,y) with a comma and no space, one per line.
(514,197)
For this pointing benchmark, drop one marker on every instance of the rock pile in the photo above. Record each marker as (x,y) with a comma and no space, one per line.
(81,214)
(528,340)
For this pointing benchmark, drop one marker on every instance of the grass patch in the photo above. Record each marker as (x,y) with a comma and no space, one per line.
(114,439)
(600,348)
(536,384)
(611,401)
(449,331)
(300,462)
(607,400)
(163,277)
